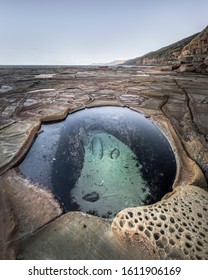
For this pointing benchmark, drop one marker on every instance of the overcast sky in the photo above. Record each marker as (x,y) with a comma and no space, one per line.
(90,31)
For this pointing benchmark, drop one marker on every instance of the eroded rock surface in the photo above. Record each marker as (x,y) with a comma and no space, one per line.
(177,226)
(176,102)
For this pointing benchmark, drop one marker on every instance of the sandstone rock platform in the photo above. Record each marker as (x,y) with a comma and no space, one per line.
(176,102)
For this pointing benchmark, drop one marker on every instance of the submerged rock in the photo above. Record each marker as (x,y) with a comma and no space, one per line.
(115,154)
(93,196)
(83,136)
(97,147)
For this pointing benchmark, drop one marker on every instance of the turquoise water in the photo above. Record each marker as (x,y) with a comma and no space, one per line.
(111,171)
(102,160)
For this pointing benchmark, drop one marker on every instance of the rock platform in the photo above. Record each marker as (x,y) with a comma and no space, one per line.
(176,102)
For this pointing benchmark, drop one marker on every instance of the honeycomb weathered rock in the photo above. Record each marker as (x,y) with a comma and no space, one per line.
(177,226)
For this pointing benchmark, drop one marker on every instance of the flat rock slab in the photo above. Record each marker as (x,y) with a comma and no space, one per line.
(24,208)
(9,227)
(80,236)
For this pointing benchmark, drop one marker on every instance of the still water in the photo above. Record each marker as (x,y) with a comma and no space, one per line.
(102,160)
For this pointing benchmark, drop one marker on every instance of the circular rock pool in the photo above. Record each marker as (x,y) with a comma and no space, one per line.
(102,160)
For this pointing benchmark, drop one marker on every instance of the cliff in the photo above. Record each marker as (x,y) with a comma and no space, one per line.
(189,54)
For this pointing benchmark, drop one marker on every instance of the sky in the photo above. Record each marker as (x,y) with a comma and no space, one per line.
(70,32)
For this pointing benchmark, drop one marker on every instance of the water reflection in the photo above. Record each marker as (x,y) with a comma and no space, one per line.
(102,160)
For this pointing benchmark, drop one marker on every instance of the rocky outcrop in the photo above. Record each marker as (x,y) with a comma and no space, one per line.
(191,51)
(197,50)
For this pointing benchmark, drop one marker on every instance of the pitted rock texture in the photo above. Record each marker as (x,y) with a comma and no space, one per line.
(176,226)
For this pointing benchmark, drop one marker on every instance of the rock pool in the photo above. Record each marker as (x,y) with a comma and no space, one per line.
(102,160)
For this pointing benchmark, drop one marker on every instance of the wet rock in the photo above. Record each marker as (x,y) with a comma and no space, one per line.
(44,76)
(83,136)
(5,88)
(97,147)
(91,197)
